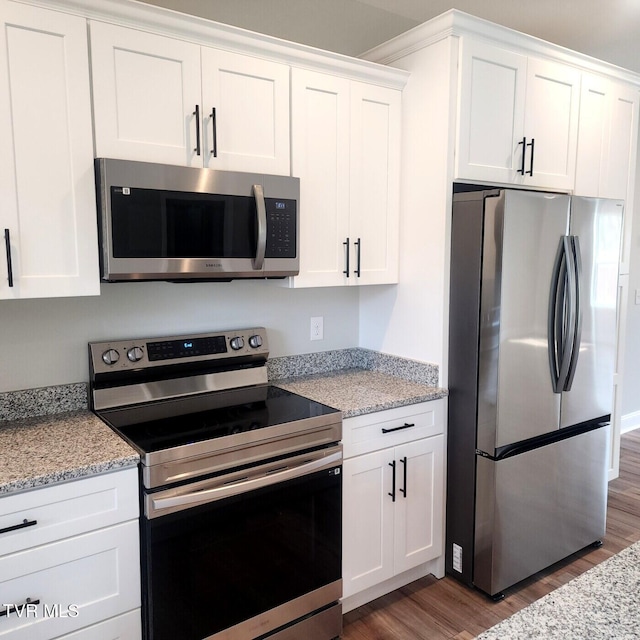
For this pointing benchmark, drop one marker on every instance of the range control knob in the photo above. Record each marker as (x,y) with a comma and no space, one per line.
(236,343)
(110,356)
(255,341)
(135,354)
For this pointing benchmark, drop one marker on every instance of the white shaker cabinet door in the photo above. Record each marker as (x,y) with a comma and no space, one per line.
(47,192)
(320,158)
(622,143)
(491,113)
(146,92)
(420,502)
(375,183)
(593,135)
(246,113)
(551,124)
(368,513)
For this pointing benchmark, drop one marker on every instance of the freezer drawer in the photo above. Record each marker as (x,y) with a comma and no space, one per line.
(538,507)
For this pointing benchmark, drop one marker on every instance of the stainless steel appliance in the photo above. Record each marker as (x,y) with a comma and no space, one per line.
(533,306)
(241,488)
(163,222)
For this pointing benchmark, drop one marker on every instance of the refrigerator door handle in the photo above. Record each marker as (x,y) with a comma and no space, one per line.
(568,318)
(563,317)
(555,316)
(576,266)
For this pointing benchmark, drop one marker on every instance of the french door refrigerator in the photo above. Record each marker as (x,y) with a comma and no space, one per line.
(532,336)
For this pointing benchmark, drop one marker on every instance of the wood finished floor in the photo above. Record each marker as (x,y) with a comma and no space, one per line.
(437,609)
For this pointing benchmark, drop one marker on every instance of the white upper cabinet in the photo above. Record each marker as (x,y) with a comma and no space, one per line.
(246,122)
(607,138)
(47,193)
(159,99)
(320,158)
(518,118)
(145,91)
(607,146)
(375,182)
(345,150)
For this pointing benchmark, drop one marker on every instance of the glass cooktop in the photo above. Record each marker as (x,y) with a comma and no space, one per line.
(277,407)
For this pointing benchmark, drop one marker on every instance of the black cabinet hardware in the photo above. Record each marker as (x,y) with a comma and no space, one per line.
(406,425)
(403,491)
(15,607)
(23,525)
(523,142)
(393,481)
(7,242)
(196,113)
(214,132)
(532,145)
(346,244)
(358,244)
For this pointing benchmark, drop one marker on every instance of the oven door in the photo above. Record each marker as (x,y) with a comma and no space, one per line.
(240,555)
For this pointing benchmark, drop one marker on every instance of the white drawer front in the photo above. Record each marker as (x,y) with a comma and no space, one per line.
(67,509)
(125,627)
(363,434)
(78,582)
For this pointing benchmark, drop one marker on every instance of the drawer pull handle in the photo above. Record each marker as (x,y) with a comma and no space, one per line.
(23,525)
(17,607)
(406,425)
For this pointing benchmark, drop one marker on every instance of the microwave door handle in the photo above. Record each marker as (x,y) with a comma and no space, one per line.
(261,209)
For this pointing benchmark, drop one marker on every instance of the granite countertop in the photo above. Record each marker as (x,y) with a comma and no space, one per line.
(70,442)
(359,391)
(46,449)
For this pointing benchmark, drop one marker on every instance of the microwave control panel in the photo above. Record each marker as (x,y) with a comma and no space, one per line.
(281,228)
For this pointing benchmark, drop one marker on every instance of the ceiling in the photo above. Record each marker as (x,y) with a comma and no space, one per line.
(608,30)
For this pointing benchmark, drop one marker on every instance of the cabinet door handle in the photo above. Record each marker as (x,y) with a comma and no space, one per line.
(358,244)
(522,142)
(196,113)
(404,474)
(393,481)
(346,244)
(532,145)
(7,243)
(406,425)
(16,607)
(214,132)
(23,525)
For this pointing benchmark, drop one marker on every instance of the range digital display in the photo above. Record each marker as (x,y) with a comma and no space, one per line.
(185,348)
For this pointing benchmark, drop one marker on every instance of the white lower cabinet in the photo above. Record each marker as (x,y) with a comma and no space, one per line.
(125,627)
(62,572)
(393,500)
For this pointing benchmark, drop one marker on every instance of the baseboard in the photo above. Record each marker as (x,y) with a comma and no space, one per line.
(435,567)
(629,422)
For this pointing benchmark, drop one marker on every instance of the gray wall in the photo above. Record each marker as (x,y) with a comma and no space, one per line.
(44,342)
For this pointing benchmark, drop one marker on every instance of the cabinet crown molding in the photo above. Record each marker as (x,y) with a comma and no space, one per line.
(459,23)
(169,22)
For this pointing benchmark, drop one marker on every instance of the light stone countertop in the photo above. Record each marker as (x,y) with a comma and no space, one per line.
(358,391)
(65,446)
(70,442)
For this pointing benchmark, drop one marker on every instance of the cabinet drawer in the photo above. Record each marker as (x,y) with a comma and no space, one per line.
(76,582)
(68,509)
(125,627)
(374,431)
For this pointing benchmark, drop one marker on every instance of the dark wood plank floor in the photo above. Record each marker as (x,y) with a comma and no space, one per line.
(436,609)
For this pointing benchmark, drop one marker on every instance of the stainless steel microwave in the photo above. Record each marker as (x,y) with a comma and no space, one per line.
(164,222)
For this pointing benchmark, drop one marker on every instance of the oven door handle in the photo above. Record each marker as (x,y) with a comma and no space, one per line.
(158,506)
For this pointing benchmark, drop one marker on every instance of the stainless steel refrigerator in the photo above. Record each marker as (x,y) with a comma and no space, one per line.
(532,339)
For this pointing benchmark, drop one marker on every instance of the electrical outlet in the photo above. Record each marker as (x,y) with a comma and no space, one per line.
(317,329)
(637,296)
